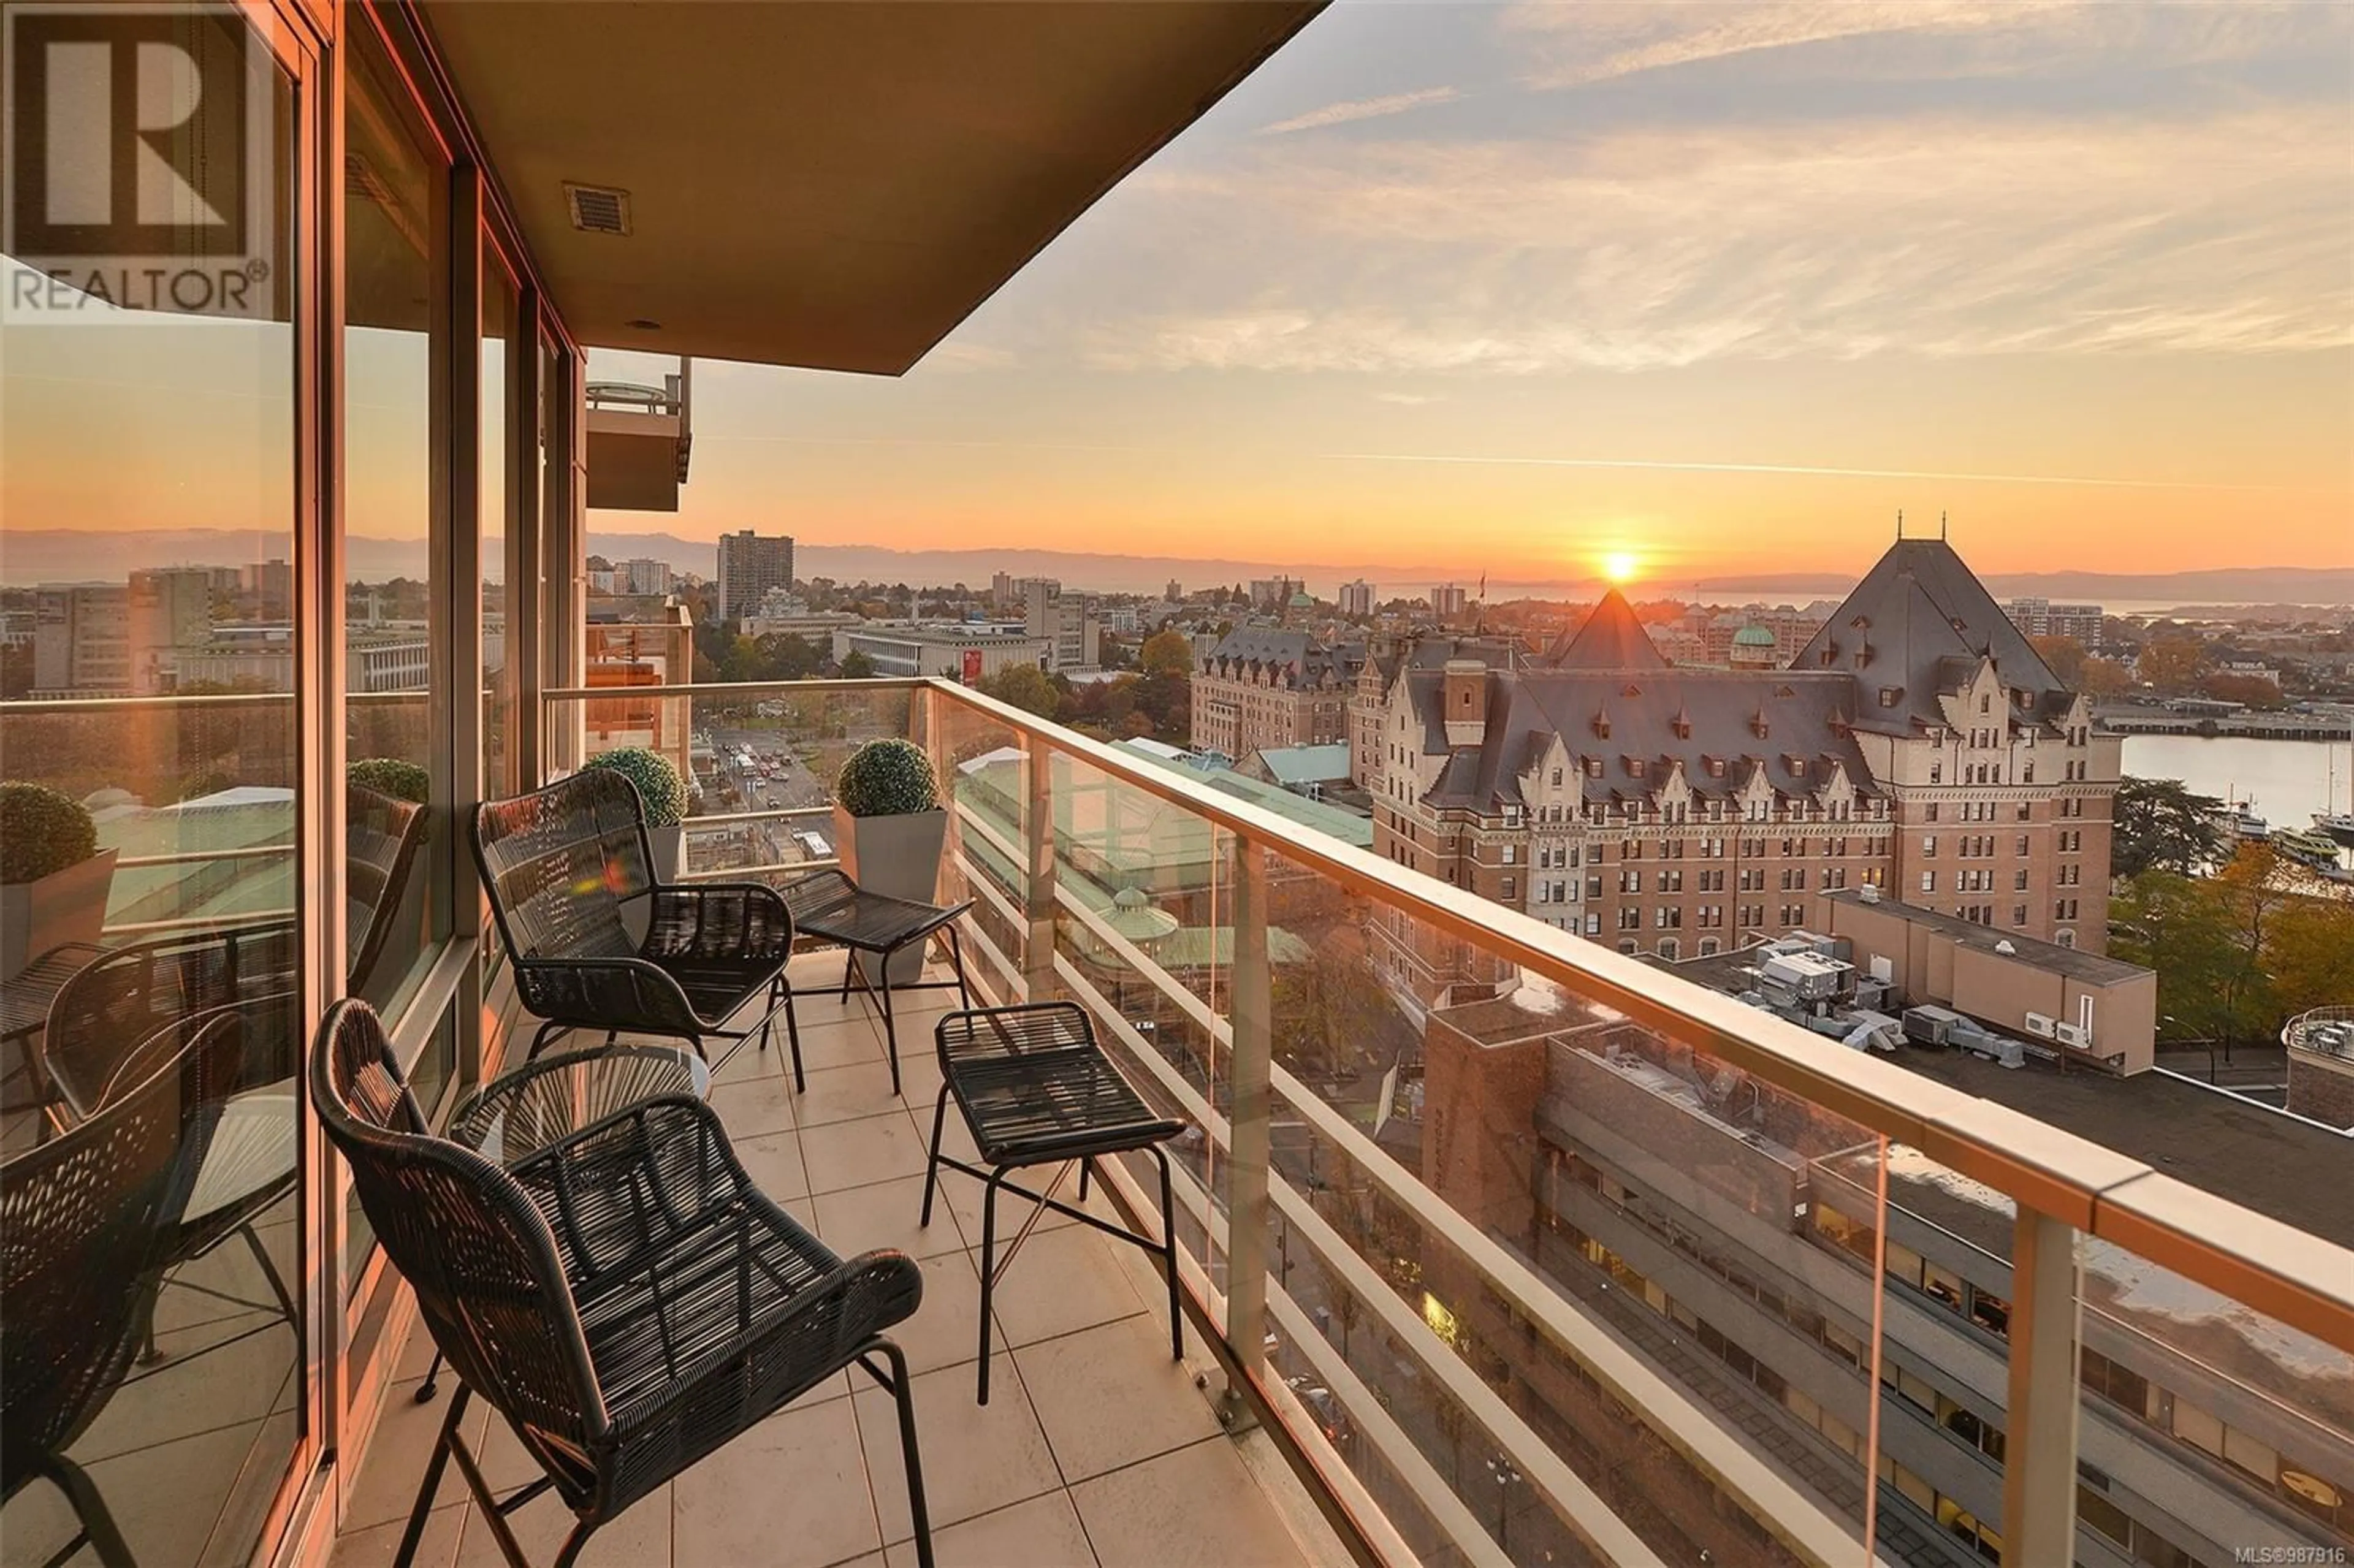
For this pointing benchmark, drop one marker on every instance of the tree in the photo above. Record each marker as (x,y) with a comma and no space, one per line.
(2160,825)
(2171,661)
(2248,691)
(2310,952)
(2174,923)
(1026,687)
(857,666)
(2104,678)
(2065,655)
(1169,652)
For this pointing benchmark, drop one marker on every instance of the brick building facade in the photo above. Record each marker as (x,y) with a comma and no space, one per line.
(1915,744)
(1265,687)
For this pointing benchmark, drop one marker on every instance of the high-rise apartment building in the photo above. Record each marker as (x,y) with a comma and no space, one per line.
(1357,597)
(81,644)
(749,566)
(166,609)
(1073,636)
(1273,593)
(2041,618)
(1449,600)
(1916,744)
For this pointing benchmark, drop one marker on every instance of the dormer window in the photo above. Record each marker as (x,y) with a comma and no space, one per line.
(1891,695)
(1594,768)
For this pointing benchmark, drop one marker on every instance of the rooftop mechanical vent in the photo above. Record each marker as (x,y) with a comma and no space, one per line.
(598,209)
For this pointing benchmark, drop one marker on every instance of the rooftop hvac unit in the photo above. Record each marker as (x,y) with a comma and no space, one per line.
(2041,1026)
(2069,1034)
(1867,893)
(2011,1053)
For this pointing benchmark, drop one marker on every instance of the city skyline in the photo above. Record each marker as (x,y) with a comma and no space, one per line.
(1723,289)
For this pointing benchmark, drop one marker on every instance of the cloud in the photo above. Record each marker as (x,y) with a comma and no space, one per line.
(1667,246)
(1409,399)
(951,358)
(1573,45)
(1360,108)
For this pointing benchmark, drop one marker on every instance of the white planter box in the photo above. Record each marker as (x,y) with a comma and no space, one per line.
(899,857)
(67,905)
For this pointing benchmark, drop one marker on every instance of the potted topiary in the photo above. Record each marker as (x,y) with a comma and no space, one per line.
(888,828)
(394,776)
(54,879)
(665,793)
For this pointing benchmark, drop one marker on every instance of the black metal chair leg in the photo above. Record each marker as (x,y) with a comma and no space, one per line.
(848,963)
(903,1390)
(97,1527)
(890,1028)
(407,1554)
(988,1268)
(542,1036)
(793,1031)
(1169,1257)
(270,1272)
(1087,1166)
(425,1391)
(573,1542)
(956,956)
(932,1165)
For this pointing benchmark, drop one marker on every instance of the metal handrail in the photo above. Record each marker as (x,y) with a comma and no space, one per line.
(2275,1269)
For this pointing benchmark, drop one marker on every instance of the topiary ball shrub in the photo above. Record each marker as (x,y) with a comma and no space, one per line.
(656,777)
(42,832)
(887,779)
(394,776)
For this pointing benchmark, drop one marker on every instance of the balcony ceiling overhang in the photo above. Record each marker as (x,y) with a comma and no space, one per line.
(832,186)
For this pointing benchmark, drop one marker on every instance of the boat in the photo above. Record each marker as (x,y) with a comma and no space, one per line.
(2338,825)
(2238,819)
(2303,844)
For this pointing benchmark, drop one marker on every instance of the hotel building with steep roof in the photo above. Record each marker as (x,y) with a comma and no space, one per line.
(1916,743)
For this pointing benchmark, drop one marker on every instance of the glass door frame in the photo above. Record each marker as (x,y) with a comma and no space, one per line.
(365,1322)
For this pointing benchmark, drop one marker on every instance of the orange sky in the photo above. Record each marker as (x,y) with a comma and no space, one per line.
(1502,289)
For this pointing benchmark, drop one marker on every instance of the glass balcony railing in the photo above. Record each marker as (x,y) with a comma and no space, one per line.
(1538,1255)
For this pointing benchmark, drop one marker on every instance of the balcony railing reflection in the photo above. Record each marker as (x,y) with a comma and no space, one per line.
(1539,1254)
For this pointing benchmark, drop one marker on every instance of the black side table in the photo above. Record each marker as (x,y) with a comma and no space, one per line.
(1035,1089)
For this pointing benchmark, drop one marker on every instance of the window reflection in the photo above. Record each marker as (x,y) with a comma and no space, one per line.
(396,240)
(149,1263)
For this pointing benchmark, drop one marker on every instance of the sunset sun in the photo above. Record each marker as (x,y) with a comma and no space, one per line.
(1619,566)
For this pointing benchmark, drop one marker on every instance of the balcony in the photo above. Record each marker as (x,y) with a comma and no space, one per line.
(1524,1252)
(1497,1247)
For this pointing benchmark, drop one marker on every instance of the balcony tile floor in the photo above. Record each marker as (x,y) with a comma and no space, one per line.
(1095,1448)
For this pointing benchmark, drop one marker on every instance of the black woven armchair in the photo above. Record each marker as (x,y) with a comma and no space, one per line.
(598,944)
(626,1298)
(82,1220)
(381,836)
(116,1003)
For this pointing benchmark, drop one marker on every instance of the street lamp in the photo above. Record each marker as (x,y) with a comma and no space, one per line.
(1501,1468)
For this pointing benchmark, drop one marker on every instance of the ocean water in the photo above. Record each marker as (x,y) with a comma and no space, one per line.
(2285,781)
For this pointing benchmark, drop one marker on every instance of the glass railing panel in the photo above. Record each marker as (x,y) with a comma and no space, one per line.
(984,768)
(1944,1348)
(1144,939)
(2208,1431)
(757,764)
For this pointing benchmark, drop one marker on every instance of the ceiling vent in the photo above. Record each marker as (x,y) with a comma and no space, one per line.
(598,209)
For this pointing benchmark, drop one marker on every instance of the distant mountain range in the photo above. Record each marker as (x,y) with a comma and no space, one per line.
(56,555)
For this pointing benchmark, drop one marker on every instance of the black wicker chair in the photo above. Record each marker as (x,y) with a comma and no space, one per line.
(113,1005)
(1034,1089)
(828,905)
(625,1297)
(117,1010)
(381,836)
(568,866)
(82,1218)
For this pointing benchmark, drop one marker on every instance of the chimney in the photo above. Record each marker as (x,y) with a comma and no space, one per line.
(1464,688)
